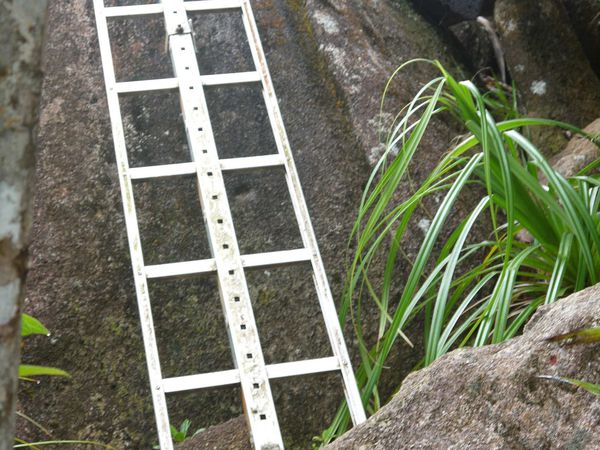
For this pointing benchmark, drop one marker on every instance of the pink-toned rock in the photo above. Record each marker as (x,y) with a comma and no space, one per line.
(579,152)
(493,397)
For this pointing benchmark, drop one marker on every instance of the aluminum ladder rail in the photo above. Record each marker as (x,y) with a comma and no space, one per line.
(251,372)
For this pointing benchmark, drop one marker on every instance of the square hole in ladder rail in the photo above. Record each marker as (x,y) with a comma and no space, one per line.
(190,327)
(170,220)
(154,129)
(221,42)
(138,48)
(287,313)
(240,121)
(262,210)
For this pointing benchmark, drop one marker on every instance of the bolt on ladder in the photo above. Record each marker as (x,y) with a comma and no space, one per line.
(251,372)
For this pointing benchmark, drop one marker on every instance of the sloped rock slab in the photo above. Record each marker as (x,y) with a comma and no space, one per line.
(493,398)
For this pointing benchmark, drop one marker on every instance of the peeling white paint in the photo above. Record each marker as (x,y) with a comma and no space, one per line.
(538,87)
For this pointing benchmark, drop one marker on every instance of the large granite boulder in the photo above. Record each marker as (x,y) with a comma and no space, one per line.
(548,64)
(330,62)
(497,396)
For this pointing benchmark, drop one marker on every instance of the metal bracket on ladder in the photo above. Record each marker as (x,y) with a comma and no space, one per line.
(251,372)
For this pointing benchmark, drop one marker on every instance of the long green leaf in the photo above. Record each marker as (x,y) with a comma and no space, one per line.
(26,370)
(30,325)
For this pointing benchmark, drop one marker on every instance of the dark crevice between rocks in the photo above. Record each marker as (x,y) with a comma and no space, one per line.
(445,13)
(471,43)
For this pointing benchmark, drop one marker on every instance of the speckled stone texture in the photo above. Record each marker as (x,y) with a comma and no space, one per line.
(493,398)
(579,152)
(330,62)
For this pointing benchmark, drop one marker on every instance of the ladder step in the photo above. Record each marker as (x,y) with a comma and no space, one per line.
(189,168)
(166,170)
(251,162)
(212,5)
(306,367)
(279,258)
(203,266)
(181,269)
(228,377)
(133,11)
(201,381)
(221,79)
(161,84)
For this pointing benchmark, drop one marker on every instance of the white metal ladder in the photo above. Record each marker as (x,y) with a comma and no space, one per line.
(251,371)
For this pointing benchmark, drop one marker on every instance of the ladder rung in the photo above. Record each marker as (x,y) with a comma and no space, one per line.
(201,266)
(180,269)
(212,5)
(276,258)
(127,87)
(201,381)
(220,79)
(227,377)
(166,170)
(189,168)
(133,10)
(306,367)
(251,162)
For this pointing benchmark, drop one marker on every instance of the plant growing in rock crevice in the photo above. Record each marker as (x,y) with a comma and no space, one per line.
(466,303)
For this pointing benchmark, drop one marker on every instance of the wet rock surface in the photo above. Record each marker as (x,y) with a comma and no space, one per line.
(80,284)
(492,397)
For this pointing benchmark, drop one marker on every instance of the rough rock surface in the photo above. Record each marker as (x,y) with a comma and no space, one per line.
(578,153)
(548,64)
(362,43)
(80,283)
(492,397)
(231,435)
(21,27)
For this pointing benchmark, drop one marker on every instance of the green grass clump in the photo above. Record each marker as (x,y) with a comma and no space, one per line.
(470,293)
